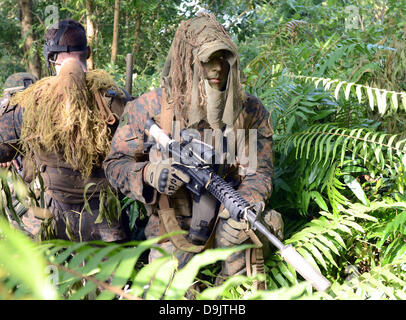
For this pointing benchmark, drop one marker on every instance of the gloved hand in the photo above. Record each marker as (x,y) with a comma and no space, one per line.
(231,232)
(164,177)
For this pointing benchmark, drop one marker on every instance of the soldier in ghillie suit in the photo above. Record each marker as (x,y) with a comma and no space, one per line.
(64,123)
(200,89)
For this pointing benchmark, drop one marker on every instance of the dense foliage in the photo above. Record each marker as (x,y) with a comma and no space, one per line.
(333,76)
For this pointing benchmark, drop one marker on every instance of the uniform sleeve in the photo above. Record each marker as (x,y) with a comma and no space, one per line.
(256,182)
(10,130)
(126,160)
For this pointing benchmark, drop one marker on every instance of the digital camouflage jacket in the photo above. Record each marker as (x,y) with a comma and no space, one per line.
(10,129)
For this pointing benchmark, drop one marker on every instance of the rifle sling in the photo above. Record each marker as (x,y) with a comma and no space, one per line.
(167,216)
(107,116)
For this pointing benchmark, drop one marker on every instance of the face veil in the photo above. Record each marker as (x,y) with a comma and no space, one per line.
(183,74)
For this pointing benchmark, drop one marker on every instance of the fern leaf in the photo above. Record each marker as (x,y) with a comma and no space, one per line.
(376,96)
(184,278)
(214,293)
(375,148)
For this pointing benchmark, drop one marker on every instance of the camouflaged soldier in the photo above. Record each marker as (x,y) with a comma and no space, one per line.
(201,89)
(64,123)
(15,83)
(18,82)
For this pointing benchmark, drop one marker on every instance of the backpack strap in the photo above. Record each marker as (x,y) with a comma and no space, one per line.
(166,116)
(107,115)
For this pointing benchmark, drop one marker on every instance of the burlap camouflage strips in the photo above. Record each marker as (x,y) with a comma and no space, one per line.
(127,156)
(70,221)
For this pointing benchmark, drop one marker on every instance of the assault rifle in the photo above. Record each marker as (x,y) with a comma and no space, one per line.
(196,164)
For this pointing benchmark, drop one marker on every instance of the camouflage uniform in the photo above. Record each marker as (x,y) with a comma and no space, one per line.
(15,83)
(64,186)
(128,156)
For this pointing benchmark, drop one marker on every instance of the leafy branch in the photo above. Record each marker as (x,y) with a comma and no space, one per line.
(326,139)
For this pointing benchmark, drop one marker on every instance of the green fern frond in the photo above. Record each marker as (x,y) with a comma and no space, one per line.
(322,242)
(319,141)
(380,283)
(16,253)
(299,291)
(106,271)
(293,26)
(376,97)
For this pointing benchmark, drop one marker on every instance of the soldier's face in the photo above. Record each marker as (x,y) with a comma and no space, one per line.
(216,70)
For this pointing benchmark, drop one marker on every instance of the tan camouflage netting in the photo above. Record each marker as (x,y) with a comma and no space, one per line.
(62,116)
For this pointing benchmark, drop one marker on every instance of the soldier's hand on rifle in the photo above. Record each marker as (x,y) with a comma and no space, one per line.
(231,232)
(164,177)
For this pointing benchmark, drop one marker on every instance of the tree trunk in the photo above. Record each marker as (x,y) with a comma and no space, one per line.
(114,46)
(32,58)
(136,34)
(90,32)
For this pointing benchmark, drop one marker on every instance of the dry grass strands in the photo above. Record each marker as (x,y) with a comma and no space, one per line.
(61,116)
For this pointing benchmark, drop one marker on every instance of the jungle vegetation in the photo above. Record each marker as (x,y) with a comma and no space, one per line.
(333,76)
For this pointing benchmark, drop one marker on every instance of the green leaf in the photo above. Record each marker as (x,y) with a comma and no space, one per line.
(144,277)
(356,188)
(317,197)
(279,278)
(162,280)
(394,101)
(316,253)
(17,252)
(185,277)
(86,201)
(325,251)
(216,292)
(288,273)
(371,98)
